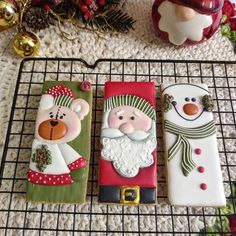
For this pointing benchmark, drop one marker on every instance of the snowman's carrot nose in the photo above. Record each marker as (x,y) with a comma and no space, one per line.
(190,109)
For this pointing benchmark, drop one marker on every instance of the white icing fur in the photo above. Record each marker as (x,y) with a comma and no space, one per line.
(179,31)
(182,190)
(127,153)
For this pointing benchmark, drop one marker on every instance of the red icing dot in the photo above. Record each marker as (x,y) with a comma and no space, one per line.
(203,186)
(201,169)
(198,151)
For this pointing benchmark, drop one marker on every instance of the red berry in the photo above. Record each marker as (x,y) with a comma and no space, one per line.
(101,2)
(88,2)
(87,15)
(84,8)
(198,151)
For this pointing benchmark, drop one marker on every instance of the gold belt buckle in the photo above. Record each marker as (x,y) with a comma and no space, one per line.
(127,192)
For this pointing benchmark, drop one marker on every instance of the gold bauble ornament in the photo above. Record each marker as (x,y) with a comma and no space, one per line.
(26,44)
(9,14)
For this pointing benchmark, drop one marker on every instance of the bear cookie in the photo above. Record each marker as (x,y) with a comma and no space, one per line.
(59,162)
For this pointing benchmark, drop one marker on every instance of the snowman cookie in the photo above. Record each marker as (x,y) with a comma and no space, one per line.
(193,165)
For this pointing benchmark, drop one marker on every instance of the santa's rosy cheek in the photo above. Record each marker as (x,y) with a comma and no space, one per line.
(113,121)
(143,124)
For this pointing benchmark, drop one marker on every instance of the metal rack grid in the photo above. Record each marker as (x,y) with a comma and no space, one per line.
(20,218)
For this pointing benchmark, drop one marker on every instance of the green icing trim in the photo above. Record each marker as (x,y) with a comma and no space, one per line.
(183,134)
(130,100)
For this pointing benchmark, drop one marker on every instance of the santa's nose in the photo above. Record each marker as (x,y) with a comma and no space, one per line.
(190,109)
(184,13)
(126,128)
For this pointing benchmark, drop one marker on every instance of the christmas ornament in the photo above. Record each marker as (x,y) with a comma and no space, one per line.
(26,44)
(8,14)
(186,22)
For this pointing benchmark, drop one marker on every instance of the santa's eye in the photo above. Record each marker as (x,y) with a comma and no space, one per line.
(132,118)
(120,117)
(187,99)
(194,99)
(51,116)
(64,114)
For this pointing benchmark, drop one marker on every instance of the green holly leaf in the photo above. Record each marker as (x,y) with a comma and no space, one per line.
(225,30)
(223,19)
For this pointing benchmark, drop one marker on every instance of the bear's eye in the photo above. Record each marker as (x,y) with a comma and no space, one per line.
(132,118)
(64,114)
(61,117)
(187,99)
(194,99)
(51,116)
(120,117)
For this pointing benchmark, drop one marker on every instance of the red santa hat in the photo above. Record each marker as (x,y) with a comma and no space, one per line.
(207,7)
(131,94)
(63,95)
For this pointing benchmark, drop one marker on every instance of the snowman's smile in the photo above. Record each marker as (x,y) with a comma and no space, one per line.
(189,109)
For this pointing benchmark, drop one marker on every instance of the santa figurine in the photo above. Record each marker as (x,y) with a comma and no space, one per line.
(127,172)
(186,22)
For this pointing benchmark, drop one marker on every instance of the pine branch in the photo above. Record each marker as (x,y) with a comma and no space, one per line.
(113,20)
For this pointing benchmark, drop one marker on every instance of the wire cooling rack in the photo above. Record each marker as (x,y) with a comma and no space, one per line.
(20,218)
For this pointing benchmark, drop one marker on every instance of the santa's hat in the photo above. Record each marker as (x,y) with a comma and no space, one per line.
(202,6)
(63,95)
(140,95)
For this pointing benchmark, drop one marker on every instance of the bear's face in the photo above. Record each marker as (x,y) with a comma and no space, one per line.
(59,124)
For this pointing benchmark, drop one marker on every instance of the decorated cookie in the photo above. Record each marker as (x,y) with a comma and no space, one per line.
(127,170)
(59,163)
(193,164)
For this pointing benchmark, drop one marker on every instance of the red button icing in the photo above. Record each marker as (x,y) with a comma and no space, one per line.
(201,169)
(203,186)
(198,151)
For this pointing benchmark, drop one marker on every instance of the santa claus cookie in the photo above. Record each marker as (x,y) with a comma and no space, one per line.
(192,160)
(59,162)
(186,22)
(127,165)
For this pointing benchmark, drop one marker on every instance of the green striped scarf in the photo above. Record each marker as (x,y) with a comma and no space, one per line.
(183,134)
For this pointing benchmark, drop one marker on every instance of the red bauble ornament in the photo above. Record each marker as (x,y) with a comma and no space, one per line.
(184,22)
(88,2)
(84,8)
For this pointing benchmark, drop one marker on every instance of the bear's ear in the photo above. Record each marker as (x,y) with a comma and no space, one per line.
(81,107)
(46,102)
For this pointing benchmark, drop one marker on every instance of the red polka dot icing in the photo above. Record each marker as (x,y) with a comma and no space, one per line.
(79,163)
(203,186)
(48,179)
(198,151)
(60,90)
(201,169)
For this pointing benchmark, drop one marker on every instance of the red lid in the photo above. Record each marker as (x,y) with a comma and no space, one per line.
(202,6)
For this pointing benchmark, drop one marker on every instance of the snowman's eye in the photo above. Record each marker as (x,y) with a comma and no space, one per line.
(187,99)
(194,99)
(120,117)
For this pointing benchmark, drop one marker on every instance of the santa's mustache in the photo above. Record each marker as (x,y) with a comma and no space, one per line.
(136,135)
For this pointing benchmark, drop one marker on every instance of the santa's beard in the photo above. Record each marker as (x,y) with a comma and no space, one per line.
(180,31)
(129,154)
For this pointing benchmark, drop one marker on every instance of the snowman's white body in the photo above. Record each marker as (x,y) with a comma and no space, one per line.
(185,190)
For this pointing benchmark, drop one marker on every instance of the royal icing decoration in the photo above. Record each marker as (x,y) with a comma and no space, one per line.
(183,134)
(58,122)
(191,153)
(127,173)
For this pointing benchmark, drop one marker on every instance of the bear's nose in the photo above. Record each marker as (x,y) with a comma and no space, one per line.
(53,123)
